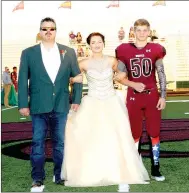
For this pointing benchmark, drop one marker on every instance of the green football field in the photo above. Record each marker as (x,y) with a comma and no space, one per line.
(16,171)
(176,108)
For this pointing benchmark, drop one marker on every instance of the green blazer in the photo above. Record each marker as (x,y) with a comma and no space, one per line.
(44,95)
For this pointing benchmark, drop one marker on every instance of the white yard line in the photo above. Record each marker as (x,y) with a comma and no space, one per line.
(187,113)
(177,101)
(9,108)
(173,101)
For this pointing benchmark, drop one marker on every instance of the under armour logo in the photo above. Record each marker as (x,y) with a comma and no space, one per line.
(148,50)
(132,99)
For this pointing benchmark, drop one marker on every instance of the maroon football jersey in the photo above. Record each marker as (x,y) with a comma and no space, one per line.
(140,63)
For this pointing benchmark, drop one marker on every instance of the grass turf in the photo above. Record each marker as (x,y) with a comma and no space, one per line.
(12,115)
(16,175)
(176,110)
(173,110)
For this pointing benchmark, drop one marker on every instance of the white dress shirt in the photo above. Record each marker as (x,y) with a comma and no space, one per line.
(51,60)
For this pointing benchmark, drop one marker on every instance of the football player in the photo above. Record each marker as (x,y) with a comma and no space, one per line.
(141,62)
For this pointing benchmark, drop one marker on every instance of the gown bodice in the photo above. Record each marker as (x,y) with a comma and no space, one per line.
(100,79)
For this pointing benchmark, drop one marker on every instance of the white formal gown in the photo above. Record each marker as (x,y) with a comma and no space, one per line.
(99,147)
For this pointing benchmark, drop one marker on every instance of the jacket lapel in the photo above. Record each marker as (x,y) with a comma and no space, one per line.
(44,75)
(63,59)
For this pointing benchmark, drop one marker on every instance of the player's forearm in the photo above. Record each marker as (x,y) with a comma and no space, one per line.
(127,82)
(162,82)
(161,77)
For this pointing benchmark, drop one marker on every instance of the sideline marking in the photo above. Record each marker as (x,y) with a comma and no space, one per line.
(23,118)
(177,101)
(9,108)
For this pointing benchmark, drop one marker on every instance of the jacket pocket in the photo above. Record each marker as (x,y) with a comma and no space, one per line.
(34,101)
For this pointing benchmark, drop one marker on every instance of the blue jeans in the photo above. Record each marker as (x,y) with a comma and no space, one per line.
(40,123)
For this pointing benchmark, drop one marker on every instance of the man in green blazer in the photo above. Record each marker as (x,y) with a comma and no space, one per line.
(47,68)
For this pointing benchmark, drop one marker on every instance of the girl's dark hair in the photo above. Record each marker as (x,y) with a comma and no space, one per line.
(47,19)
(95,34)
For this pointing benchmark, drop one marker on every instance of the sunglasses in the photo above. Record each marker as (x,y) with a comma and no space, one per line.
(47,28)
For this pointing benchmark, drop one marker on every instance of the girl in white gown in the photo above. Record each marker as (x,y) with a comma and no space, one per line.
(99,147)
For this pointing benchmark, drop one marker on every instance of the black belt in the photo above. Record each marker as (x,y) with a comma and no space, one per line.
(144,92)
